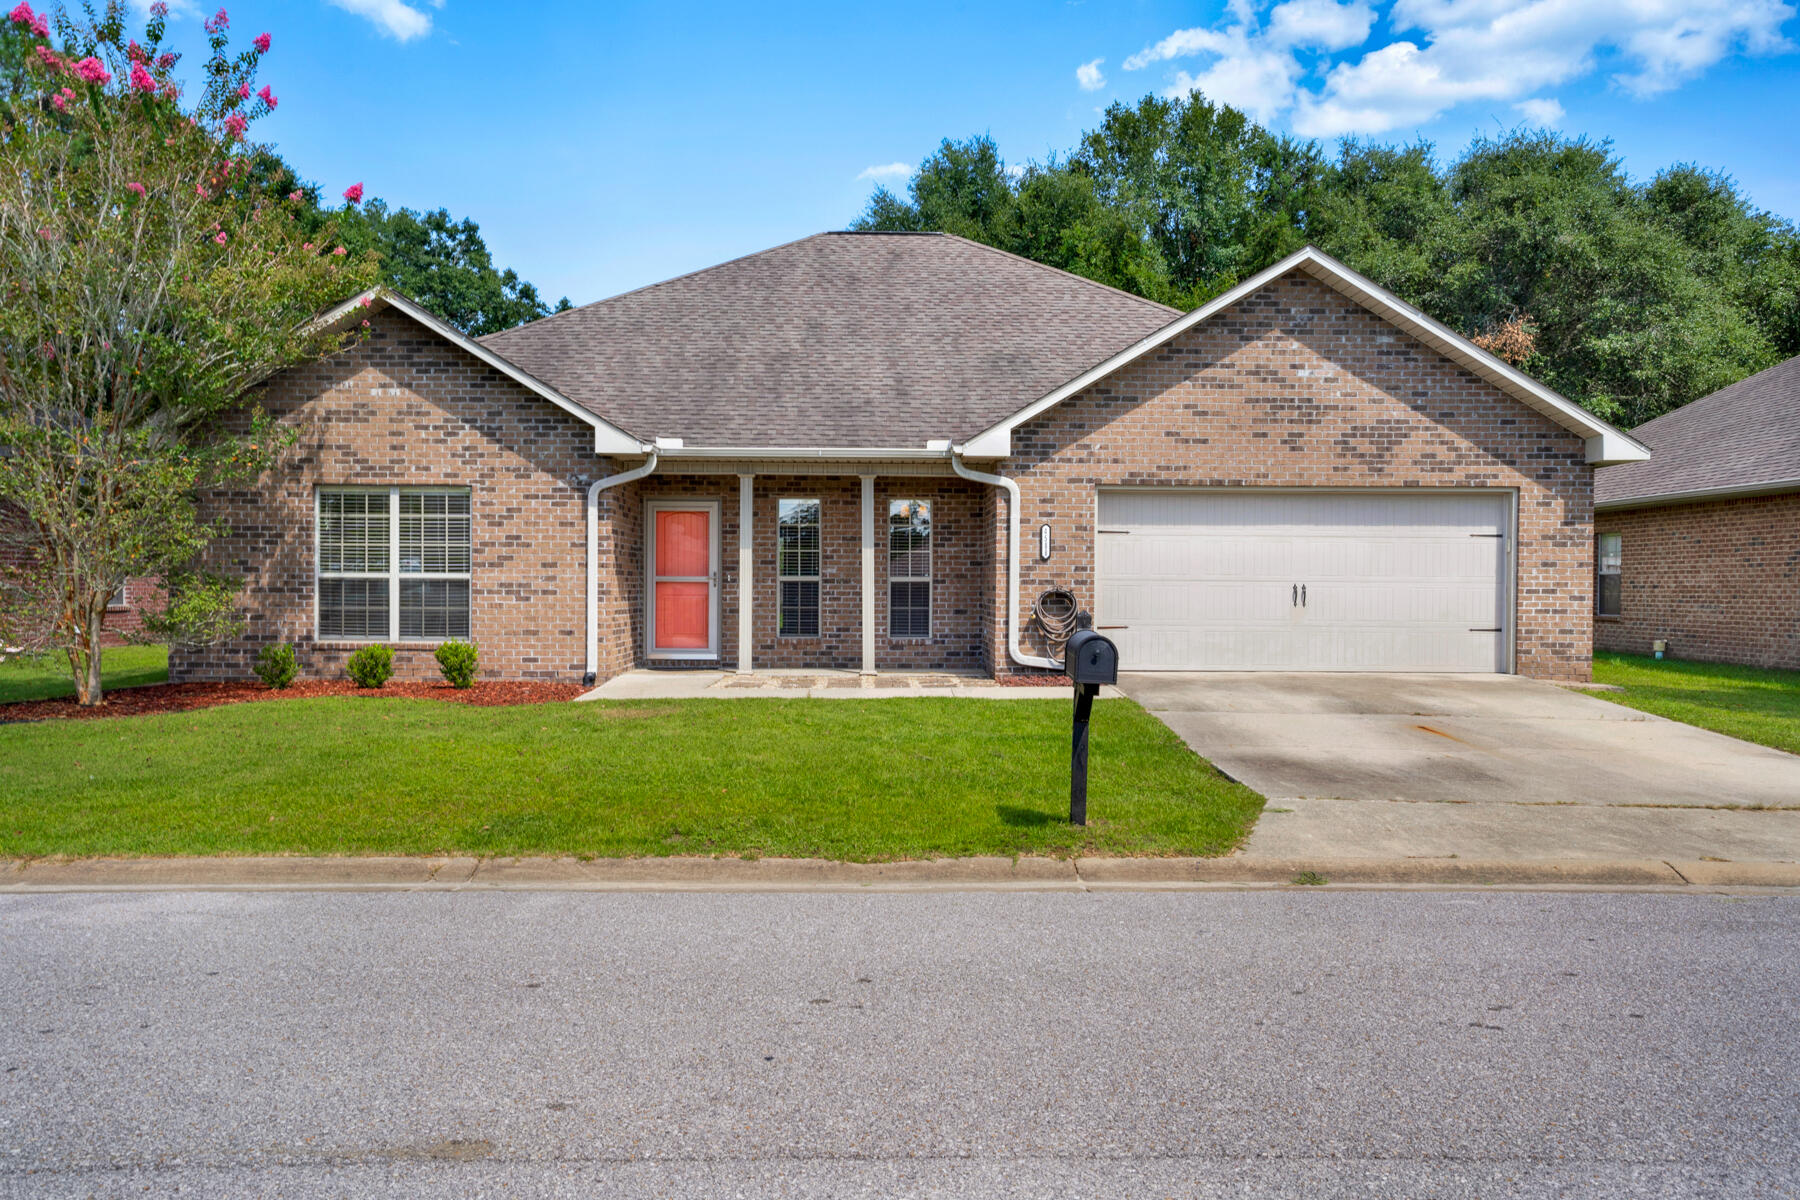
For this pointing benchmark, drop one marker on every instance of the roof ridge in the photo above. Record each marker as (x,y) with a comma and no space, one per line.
(567,312)
(1094,283)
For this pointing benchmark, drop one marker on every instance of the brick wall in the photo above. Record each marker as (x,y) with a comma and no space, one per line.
(1719,581)
(405,407)
(1298,387)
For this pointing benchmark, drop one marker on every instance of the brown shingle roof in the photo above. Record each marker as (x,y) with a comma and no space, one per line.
(1745,436)
(838,340)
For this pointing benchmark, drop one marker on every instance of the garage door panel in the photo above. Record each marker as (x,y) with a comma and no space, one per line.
(1203,579)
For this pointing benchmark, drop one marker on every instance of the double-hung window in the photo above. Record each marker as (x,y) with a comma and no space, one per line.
(909,569)
(797,568)
(393,564)
(1609,556)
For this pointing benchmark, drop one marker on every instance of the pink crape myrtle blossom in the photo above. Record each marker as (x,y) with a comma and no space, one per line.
(339,252)
(159,10)
(243,91)
(142,80)
(219,237)
(219,23)
(366,301)
(165,61)
(305,245)
(138,188)
(353,193)
(92,70)
(49,57)
(295,196)
(200,191)
(58,103)
(22,15)
(235,125)
(267,96)
(135,52)
(261,43)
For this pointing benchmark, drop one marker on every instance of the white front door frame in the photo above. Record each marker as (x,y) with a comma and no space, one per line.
(712,509)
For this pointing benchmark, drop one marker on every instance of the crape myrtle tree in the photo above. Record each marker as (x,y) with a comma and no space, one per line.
(149,280)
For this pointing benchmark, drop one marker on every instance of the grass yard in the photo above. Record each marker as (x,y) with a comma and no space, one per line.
(1745,702)
(48,677)
(861,780)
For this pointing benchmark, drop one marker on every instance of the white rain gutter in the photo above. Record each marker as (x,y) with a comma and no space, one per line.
(1012,561)
(593,554)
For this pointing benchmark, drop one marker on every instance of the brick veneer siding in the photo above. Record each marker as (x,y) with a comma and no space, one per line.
(121,622)
(1719,581)
(1296,386)
(406,407)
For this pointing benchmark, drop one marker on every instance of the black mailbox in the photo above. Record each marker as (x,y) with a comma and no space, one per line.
(1091,658)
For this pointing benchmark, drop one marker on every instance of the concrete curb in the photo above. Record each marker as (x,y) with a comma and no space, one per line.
(795,874)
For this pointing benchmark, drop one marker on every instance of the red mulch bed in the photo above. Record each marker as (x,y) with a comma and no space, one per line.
(1036,681)
(184,697)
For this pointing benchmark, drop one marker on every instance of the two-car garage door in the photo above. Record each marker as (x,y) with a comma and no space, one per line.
(1243,580)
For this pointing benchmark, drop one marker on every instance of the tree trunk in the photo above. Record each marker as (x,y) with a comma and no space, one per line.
(85,658)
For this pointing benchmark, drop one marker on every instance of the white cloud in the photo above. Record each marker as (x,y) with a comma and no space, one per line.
(399,20)
(1541,111)
(895,170)
(1089,77)
(1297,61)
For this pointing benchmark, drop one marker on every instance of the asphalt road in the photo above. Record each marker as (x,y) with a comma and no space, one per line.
(970,1044)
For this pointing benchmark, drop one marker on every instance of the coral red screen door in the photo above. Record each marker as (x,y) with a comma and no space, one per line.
(684,555)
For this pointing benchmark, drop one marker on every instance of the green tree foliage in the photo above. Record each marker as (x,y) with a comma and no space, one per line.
(1632,298)
(148,280)
(444,265)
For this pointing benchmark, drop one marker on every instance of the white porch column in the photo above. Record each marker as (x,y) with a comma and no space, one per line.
(868,574)
(746,570)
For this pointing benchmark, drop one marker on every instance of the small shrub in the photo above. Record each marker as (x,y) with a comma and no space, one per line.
(276,665)
(457,660)
(371,666)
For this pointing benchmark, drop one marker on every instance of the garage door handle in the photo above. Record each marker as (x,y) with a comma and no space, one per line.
(1294,600)
(1303,595)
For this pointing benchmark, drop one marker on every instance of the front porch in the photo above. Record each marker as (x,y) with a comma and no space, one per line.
(840,572)
(655,684)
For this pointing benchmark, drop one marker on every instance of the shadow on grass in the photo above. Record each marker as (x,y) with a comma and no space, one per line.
(1025,818)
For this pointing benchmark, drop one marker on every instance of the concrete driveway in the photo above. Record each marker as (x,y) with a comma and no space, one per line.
(1493,766)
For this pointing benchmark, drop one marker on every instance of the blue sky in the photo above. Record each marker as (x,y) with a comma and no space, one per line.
(602,146)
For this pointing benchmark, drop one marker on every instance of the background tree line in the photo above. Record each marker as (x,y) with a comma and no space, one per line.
(1629,297)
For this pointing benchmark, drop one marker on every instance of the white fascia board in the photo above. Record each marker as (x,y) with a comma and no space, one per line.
(1731,491)
(1605,443)
(609,439)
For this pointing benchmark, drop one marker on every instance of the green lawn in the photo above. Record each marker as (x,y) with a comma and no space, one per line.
(47,677)
(1745,702)
(845,779)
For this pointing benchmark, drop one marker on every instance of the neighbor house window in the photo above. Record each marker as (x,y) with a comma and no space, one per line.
(797,567)
(909,569)
(393,564)
(1608,558)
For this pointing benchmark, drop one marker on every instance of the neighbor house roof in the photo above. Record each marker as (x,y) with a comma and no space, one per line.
(1741,440)
(840,340)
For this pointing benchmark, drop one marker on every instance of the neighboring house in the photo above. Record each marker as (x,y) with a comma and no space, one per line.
(803,459)
(1700,546)
(124,612)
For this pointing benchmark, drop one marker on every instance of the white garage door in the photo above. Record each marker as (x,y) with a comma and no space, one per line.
(1244,580)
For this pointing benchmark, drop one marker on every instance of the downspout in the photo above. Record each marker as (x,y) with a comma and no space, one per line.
(593,555)
(1013,650)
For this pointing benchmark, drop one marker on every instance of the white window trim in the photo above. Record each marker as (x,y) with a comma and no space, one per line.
(781,577)
(1600,571)
(393,574)
(926,579)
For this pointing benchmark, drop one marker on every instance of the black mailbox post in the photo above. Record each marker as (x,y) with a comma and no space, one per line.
(1090,661)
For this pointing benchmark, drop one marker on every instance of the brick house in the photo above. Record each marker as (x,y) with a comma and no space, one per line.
(874,451)
(1700,546)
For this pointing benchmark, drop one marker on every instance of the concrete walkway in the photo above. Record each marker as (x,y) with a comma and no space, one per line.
(1484,767)
(814,685)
